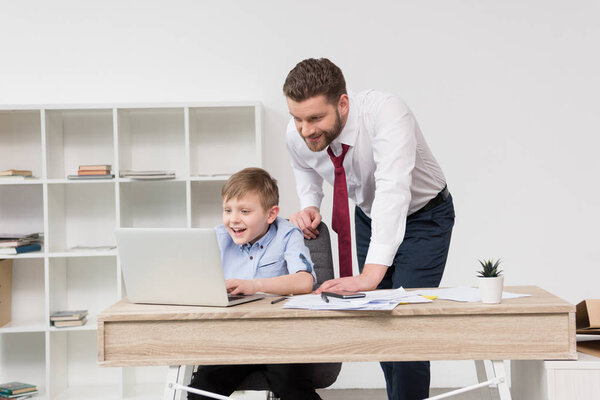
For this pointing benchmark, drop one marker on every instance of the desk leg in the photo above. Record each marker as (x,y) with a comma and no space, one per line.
(178,378)
(499,379)
(500,372)
(172,376)
(482,376)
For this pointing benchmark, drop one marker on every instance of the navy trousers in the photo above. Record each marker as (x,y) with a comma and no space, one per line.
(419,262)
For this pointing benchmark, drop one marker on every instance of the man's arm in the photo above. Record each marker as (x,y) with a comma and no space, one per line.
(394,148)
(309,186)
(298,283)
(370,277)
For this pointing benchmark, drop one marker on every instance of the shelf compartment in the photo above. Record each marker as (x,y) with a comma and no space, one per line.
(21,141)
(78,137)
(223,140)
(81,215)
(21,209)
(82,283)
(153,204)
(152,139)
(207,206)
(141,383)
(23,356)
(73,358)
(28,297)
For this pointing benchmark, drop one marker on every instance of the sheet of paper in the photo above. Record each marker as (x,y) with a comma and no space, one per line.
(466,294)
(374,300)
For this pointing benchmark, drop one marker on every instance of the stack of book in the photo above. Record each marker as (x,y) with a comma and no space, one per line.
(102,171)
(11,243)
(62,319)
(14,175)
(17,390)
(148,175)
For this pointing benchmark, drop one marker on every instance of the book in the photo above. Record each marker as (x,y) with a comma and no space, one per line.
(64,324)
(127,173)
(68,315)
(98,167)
(92,248)
(21,249)
(93,172)
(20,396)
(11,178)
(75,177)
(13,243)
(15,172)
(147,175)
(11,388)
(19,236)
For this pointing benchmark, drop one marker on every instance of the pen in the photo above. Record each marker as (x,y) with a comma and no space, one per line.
(282,298)
(324,297)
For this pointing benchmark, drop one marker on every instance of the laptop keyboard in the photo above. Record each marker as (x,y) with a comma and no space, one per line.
(232,297)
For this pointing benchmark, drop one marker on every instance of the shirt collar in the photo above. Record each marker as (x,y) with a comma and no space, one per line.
(348,134)
(263,241)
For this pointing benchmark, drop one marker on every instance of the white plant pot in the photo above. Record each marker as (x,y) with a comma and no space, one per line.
(491,289)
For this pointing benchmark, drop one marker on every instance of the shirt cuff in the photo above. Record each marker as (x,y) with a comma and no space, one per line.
(381,254)
(310,202)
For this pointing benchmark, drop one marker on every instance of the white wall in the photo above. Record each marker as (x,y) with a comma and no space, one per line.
(506,93)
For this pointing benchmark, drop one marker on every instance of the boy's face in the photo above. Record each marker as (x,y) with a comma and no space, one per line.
(245,218)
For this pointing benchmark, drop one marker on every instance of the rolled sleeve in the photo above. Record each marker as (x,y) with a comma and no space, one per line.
(297,255)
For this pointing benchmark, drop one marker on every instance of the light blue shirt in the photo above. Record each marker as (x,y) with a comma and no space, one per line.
(280,251)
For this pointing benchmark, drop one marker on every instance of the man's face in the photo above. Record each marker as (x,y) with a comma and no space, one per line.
(317,121)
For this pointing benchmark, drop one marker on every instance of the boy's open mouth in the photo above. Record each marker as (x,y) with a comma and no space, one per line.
(238,230)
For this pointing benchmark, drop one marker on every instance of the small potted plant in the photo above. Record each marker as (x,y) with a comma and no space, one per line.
(491,281)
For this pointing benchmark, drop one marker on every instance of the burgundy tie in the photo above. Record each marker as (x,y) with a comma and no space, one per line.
(341,213)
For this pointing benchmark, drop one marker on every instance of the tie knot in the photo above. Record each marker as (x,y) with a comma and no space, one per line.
(338,161)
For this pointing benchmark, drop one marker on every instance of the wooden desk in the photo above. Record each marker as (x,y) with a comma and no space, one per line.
(531,328)
(538,327)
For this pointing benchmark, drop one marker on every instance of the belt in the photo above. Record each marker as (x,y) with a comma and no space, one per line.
(436,201)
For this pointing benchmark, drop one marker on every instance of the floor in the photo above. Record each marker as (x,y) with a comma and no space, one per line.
(379,394)
(362,394)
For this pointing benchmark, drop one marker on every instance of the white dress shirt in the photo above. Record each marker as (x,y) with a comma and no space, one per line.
(390,171)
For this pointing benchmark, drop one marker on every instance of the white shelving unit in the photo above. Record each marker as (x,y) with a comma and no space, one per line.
(204,143)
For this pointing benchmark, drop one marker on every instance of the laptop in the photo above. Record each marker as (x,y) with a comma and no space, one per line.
(174,266)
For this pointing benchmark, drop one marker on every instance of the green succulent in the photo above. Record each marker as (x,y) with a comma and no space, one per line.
(490,268)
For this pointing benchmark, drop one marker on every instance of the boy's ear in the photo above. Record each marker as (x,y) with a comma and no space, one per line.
(273,213)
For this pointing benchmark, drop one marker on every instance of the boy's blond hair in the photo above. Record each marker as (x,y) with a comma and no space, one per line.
(255,180)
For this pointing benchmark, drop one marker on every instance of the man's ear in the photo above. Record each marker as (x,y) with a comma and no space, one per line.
(344,104)
(273,213)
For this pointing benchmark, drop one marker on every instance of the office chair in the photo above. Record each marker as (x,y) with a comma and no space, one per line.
(325,374)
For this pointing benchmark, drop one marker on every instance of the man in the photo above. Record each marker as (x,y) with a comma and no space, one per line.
(370,148)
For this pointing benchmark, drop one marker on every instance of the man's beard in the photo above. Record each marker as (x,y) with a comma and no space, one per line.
(328,135)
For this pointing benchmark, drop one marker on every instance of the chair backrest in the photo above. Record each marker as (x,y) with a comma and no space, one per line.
(320,253)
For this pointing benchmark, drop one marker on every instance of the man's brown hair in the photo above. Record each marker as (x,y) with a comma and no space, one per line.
(255,180)
(312,77)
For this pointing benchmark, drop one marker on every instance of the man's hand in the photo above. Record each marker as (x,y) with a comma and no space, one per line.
(242,286)
(368,280)
(307,220)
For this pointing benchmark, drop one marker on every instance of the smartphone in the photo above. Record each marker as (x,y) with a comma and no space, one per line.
(344,294)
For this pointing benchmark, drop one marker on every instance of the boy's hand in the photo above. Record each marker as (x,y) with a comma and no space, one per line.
(242,286)
(307,220)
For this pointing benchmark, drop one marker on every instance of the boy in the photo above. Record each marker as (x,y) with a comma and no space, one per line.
(260,252)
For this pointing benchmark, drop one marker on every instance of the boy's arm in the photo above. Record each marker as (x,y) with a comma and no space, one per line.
(298,283)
